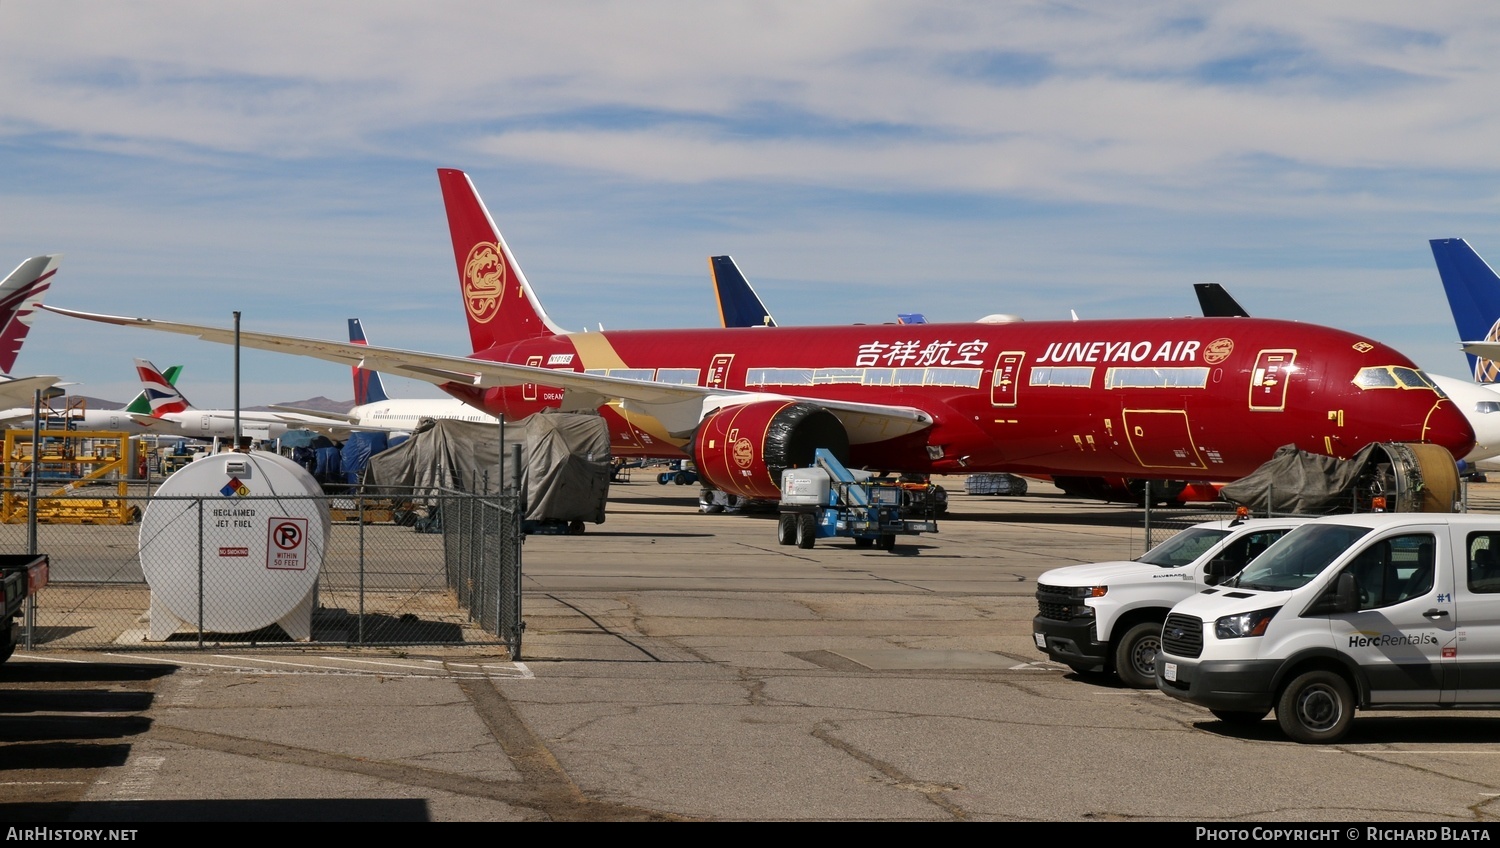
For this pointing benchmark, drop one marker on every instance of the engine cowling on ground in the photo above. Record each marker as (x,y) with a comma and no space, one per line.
(743,449)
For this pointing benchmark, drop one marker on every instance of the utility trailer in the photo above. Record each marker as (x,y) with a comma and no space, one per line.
(827,500)
(22,576)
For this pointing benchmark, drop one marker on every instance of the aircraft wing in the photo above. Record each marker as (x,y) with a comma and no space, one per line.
(678,407)
(319,414)
(21,391)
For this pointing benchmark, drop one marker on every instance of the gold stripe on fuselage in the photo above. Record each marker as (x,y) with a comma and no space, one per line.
(596,353)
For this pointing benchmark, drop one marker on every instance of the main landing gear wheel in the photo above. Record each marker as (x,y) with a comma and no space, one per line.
(786,528)
(1135,656)
(807,530)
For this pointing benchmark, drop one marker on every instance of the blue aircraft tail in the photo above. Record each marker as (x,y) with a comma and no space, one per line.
(738,304)
(1474,296)
(367,385)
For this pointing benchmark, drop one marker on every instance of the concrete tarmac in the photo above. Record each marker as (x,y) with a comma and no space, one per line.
(679,666)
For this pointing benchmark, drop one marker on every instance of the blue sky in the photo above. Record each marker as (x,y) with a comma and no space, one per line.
(858,159)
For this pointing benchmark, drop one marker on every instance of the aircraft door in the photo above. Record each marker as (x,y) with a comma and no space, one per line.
(1268,382)
(1006,381)
(718,371)
(1161,438)
(528,390)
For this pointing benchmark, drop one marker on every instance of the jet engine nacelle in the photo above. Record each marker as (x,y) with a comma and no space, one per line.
(743,449)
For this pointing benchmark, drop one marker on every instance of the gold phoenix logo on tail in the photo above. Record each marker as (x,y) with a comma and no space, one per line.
(484,281)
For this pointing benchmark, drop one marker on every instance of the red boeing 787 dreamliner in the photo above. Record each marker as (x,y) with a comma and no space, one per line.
(1171,399)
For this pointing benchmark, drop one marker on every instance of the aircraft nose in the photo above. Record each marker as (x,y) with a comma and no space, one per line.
(1447,426)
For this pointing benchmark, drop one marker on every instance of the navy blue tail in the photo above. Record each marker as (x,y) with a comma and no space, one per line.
(1473,295)
(367,385)
(738,304)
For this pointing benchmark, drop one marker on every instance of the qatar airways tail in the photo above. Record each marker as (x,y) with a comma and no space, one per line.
(21,292)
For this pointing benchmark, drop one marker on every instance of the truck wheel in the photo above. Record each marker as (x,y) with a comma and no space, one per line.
(786,528)
(864,542)
(1316,707)
(7,644)
(807,530)
(1135,655)
(1240,718)
(887,542)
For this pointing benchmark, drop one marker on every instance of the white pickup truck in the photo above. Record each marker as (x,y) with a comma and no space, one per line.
(1107,616)
(1380,610)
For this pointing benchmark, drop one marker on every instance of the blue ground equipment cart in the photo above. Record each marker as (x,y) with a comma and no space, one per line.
(828,500)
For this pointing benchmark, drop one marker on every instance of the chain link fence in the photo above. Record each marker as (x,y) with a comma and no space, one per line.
(140,571)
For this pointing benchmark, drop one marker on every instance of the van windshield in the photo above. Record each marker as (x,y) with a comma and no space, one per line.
(1183,548)
(1298,557)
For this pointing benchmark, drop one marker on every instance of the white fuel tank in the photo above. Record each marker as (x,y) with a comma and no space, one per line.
(255,526)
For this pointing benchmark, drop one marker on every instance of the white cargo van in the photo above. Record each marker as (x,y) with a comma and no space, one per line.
(1382,610)
(1107,616)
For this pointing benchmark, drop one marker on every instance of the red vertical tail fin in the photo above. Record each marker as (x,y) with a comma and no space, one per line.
(498,301)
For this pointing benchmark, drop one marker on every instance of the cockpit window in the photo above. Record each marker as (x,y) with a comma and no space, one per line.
(1394,377)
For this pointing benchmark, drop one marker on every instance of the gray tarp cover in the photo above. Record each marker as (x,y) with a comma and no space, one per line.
(565,459)
(1295,481)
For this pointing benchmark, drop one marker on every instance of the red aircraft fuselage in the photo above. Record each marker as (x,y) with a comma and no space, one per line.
(1180,398)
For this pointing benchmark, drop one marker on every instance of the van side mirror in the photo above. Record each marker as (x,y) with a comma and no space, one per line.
(1343,597)
(1346,595)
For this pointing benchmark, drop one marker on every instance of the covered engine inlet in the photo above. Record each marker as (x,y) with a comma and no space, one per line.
(1381,477)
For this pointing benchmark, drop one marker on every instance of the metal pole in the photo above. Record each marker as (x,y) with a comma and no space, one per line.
(200,572)
(1147,522)
(36,438)
(236,380)
(36,426)
(359,628)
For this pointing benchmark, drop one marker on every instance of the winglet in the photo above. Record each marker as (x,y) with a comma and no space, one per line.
(20,294)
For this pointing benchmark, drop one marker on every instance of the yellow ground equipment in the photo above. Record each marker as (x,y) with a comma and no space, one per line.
(66,462)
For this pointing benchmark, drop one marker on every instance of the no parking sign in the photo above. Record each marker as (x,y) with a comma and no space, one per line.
(286,546)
